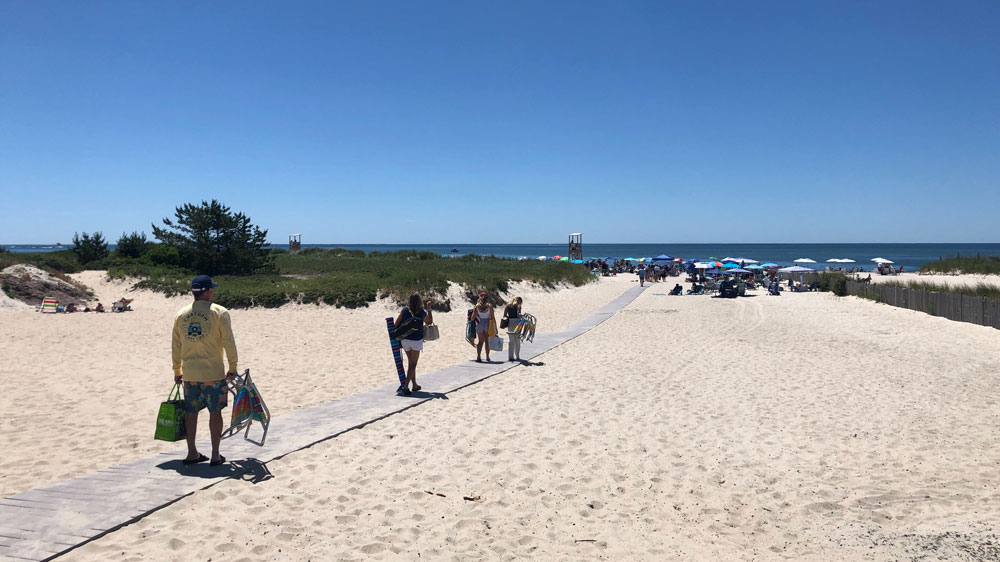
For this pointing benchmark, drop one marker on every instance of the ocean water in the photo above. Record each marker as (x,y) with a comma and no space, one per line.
(909,256)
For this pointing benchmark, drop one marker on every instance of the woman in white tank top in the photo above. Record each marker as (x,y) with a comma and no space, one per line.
(485,326)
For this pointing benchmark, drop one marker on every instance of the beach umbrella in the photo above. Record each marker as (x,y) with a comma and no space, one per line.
(631,259)
(754,266)
(738,270)
(746,261)
(730,265)
(834,260)
(576,261)
(703,265)
(715,271)
(805,260)
(796,269)
(663,257)
(769,265)
(557,257)
(882,260)
(846,260)
(610,259)
(542,258)
(730,259)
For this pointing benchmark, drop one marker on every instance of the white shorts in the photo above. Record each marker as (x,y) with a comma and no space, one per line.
(412,345)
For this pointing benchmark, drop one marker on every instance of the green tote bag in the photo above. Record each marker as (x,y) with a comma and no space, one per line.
(170,419)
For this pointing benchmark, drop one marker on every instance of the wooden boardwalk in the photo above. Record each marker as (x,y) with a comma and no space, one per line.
(44,523)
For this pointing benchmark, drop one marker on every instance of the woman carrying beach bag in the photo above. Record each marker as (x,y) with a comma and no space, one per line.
(414,342)
(486,326)
(511,316)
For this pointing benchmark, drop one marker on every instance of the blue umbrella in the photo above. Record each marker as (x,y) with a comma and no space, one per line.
(631,259)
(769,264)
(576,261)
(738,270)
(755,266)
(715,271)
(664,257)
(730,265)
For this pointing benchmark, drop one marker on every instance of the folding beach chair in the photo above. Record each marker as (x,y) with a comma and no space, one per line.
(248,407)
(49,305)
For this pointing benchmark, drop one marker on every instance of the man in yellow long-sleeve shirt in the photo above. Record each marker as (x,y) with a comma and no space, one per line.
(202,330)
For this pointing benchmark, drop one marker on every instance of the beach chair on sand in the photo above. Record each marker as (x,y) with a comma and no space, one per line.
(248,407)
(676,290)
(121,305)
(48,305)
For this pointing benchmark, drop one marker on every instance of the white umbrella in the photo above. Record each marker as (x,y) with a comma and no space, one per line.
(702,265)
(747,261)
(882,260)
(542,258)
(795,269)
(805,260)
(834,260)
(846,260)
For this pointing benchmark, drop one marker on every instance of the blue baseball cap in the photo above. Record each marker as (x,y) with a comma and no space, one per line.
(202,283)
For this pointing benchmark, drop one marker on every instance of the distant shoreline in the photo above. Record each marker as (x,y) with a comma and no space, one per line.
(911,256)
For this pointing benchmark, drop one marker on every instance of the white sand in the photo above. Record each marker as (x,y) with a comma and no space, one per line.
(81,390)
(800,427)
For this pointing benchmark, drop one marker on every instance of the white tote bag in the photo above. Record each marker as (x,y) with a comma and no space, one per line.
(431,332)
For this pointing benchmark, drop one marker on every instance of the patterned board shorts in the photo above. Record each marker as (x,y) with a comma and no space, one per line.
(211,395)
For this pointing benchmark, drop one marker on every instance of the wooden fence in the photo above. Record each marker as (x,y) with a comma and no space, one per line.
(962,308)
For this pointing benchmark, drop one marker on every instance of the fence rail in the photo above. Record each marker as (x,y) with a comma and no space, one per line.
(961,308)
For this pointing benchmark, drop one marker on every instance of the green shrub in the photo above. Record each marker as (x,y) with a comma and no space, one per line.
(835,283)
(164,255)
(63,261)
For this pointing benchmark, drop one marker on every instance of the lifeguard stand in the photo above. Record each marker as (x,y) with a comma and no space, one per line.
(576,246)
(294,242)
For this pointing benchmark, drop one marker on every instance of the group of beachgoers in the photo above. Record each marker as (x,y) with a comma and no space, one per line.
(482,317)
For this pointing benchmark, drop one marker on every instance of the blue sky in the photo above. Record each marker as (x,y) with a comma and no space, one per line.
(505,122)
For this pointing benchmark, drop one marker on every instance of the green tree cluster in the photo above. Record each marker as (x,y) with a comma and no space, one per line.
(89,247)
(211,239)
(132,245)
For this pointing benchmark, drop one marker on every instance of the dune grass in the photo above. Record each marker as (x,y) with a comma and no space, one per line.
(351,278)
(978,290)
(978,264)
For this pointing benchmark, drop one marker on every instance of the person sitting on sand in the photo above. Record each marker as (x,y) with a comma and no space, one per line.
(413,344)
(485,326)
(71,307)
(99,308)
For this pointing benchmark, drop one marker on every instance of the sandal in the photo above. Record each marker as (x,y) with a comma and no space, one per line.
(201,458)
(416,388)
